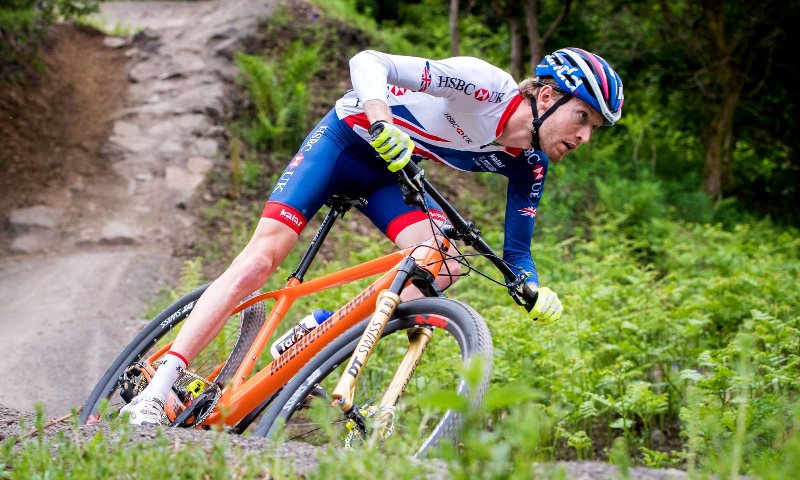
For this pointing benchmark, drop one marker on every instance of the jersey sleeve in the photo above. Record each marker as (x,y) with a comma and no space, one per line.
(519,223)
(522,200)
(456,78)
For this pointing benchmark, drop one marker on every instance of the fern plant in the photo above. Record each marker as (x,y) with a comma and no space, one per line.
(279,92)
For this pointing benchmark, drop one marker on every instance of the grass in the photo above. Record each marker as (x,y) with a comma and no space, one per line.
(101,23)
(121,451)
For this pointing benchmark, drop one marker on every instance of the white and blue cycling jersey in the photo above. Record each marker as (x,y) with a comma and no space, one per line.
(453,109)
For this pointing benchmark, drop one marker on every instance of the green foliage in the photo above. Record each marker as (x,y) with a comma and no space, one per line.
(279,91)
(679,342)
(113,453)
(24,24)
(100,22)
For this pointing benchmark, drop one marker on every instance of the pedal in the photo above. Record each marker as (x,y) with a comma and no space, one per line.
(128,383)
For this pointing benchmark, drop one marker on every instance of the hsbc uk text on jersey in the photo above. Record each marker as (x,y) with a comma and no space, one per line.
(481,94)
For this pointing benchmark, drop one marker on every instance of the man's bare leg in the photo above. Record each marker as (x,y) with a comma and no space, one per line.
(271,243)
(269,246)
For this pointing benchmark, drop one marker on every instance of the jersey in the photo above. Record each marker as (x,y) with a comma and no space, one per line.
(454,109)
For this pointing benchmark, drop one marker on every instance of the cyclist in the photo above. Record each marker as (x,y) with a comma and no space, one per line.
(460,111)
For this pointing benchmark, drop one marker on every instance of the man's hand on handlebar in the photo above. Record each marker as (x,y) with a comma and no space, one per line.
(392,144)
(547,308)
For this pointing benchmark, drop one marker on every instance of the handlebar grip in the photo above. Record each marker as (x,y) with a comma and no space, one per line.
(412,169)
(529,295)
(376,128)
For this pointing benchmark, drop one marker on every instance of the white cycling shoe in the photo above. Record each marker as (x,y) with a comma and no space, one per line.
(147,412)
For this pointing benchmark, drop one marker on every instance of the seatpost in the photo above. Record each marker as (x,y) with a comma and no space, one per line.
(339,206)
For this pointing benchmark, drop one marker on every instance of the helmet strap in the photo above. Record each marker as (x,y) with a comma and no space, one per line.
(537,121)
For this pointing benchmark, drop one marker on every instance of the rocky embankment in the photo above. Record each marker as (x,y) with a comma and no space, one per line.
(85,253)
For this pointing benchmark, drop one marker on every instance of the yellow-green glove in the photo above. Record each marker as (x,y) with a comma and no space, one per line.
(547,308)
(392,144)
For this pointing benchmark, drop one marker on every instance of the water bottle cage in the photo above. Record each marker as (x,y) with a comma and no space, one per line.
(300,331)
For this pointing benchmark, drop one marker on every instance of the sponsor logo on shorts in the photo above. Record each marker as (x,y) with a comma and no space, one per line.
(291,217)
(283,181)
(296,160)
(314,138)
(438,216)
(528,212)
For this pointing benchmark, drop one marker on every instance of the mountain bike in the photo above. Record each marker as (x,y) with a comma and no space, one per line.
(309,391)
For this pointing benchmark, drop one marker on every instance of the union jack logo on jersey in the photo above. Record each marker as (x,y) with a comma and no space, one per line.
(528,212)
(425,80)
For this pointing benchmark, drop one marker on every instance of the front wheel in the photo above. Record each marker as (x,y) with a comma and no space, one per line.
(460,335)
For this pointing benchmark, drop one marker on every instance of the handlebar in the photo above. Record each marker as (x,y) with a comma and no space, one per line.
(413,182)
(414,178)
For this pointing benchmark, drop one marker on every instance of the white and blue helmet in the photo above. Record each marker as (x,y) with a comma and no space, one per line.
(587,76)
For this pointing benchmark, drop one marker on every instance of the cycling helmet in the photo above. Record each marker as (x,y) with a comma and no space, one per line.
(584,75)
(588,77)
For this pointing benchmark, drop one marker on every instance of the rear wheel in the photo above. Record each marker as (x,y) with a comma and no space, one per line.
(216,364)
(302,410)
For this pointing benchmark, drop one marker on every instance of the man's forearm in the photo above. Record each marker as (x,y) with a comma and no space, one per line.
(377,110)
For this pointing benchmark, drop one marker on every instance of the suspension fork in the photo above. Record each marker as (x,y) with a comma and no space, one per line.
(388,300)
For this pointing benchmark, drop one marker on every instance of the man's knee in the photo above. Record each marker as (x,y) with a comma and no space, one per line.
(269,246)
(250,273)
(450,272)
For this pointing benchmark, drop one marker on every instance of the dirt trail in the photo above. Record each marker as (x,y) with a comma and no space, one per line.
(100,160)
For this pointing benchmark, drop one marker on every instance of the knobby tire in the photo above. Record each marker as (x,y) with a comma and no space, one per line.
(463,324)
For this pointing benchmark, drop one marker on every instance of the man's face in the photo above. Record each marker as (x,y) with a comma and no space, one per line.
(570,126)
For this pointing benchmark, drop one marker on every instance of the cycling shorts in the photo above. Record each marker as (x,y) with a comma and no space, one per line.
(335,160)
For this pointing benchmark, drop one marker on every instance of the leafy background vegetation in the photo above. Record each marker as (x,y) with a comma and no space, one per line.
(679,345)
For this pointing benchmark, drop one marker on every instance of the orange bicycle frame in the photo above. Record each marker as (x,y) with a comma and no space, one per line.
(243,395)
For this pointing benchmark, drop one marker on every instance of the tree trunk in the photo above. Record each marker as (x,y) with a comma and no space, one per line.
(517,62)
(534,36)
(723,73)
(719,143)
(537,39)
(455,39)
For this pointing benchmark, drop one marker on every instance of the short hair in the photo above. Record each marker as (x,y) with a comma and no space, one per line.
(530,87)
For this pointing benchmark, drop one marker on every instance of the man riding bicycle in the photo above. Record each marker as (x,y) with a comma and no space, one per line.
(462,112)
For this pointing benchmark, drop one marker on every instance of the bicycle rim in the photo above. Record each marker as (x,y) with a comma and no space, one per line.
(421,421)
(216,363)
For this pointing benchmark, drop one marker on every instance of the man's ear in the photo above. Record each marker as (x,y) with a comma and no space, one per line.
(544,99)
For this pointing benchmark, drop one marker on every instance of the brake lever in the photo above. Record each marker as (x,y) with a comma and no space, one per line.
(522,294)
(410,180)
